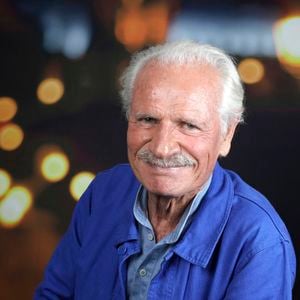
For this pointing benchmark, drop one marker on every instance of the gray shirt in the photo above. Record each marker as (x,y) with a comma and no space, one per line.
(145,265)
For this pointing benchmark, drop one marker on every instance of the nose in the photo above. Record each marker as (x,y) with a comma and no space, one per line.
(164,141)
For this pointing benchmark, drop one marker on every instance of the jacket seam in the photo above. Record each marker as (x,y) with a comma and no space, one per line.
(267,213)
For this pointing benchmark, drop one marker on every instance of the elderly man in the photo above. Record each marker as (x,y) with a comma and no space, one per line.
(173,224)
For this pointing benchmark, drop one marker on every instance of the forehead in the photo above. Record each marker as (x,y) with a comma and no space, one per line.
(202,73)
(198,83)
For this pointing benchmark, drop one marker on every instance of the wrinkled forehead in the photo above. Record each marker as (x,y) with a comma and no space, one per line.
(193,78)
(170,89)
(196,71)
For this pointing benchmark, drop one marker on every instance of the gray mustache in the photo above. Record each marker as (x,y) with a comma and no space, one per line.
(175,161)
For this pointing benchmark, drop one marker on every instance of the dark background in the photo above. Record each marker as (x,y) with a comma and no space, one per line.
(88,124)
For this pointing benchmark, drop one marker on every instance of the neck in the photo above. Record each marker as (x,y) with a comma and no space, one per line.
(165,212)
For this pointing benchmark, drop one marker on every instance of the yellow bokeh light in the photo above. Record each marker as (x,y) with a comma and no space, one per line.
(287,41)
(251,70)
(5,182)
(79,183)
(50,90)
(8,108)
(55,166)
(11,137)
(14,206)
(287,44)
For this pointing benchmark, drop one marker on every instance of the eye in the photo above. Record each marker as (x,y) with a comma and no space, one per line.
(190,126)
(147,121)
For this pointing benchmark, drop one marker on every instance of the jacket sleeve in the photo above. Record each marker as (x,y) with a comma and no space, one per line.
(265,274)
(59,278)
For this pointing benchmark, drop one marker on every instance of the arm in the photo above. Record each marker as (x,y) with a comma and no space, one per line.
(265,274)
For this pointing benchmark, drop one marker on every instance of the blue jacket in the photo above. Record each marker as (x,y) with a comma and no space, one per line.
(236,247)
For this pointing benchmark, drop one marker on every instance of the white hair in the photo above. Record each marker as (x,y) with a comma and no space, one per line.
(231,106)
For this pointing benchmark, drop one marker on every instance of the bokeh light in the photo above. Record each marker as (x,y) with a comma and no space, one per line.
(79,183)
(5,182)
(131,29)
(14,206)
(50,90)
(54,166)
(287,41)
(157,17)
(11,137)
(67,29)
(8,108)
(137,25)
(251,70)
(129,3)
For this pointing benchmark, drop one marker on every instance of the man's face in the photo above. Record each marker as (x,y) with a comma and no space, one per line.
(174,113)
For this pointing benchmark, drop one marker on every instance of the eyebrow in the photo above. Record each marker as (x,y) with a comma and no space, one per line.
(187,119)
(146,114)
(194,121)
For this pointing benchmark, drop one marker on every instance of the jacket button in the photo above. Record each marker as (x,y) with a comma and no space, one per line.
(150,237)
(142,272)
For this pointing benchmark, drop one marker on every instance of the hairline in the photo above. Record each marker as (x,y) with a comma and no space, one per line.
(206,57)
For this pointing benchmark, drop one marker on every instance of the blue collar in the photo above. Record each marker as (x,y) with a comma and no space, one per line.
(199,242)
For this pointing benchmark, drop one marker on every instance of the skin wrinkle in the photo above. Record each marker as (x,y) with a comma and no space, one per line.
(162,105)
(212,82)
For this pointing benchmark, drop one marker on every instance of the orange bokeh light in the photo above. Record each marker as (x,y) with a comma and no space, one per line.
(11,137)
(8,108)
(50,90)
(251,70)
(137,25)
(131,28)
(129,3)
(157,21)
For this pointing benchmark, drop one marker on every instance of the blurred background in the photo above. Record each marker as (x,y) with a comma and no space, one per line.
(61,119)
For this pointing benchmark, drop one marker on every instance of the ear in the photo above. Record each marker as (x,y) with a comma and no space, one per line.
(226,140)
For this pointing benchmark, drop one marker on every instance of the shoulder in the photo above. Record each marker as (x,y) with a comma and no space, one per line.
(117,172)
(110,189)
(108,201)
(254,227)
(252,217)
(114,179)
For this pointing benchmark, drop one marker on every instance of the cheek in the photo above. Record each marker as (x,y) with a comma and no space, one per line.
(195,146)
(201,148)
(135,138)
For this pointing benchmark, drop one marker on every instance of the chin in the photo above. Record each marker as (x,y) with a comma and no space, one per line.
(169,182)
(166,189)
